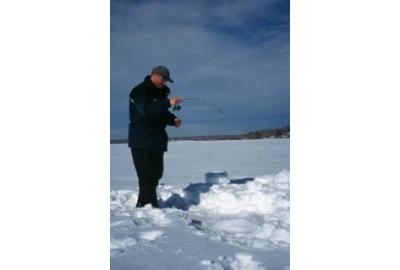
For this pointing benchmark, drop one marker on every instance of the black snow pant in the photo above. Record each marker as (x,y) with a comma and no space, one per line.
(149,167)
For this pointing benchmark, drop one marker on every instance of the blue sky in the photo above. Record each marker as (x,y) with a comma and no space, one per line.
(233,54)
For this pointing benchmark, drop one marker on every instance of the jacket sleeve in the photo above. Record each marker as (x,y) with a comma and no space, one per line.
(151,109)
(171,119)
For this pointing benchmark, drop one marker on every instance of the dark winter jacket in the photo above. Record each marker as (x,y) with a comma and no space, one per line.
(149,116)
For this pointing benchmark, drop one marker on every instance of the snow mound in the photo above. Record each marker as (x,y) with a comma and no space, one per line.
(263,195)
(240,262)
(253,214)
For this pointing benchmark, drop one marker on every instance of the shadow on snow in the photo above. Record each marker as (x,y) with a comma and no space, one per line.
(192,193)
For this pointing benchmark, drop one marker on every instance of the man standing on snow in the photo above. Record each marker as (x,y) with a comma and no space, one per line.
(149,116)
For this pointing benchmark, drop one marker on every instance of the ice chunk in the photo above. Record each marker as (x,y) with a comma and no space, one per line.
(153,216)
(151,235)
(238,226)
(122,243)
(239,262)
(217,177)
(244,261)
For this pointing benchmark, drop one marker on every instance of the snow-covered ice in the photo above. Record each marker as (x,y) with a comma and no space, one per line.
(151,235)
(216,212)
(239,262)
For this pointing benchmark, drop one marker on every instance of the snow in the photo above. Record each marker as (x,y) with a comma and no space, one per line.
(240,262)
(151,235)
(224,205)
(120,244)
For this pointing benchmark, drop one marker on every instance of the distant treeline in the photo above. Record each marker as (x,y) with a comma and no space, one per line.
(269,133)
(259,134)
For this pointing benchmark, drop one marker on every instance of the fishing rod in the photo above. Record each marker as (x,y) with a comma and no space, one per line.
(204,103)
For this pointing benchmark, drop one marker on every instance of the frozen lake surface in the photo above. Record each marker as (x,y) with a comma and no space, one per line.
(237,218)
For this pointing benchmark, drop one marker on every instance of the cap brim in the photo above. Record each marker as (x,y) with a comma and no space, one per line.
(167,79)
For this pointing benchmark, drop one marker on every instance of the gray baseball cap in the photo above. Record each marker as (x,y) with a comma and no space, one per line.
(163,71)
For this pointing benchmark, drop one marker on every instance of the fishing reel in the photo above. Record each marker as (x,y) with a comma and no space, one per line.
(177,108)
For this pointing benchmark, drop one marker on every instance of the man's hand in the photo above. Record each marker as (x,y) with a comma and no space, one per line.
(178,122)
(175,101)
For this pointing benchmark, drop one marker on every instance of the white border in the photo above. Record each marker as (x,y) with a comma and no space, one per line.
(55,134)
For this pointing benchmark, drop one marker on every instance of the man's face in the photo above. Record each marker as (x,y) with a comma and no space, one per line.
(158,80)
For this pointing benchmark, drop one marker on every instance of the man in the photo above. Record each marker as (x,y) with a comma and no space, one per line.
(149,116)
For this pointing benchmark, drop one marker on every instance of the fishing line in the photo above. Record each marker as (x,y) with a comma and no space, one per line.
(204,103)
